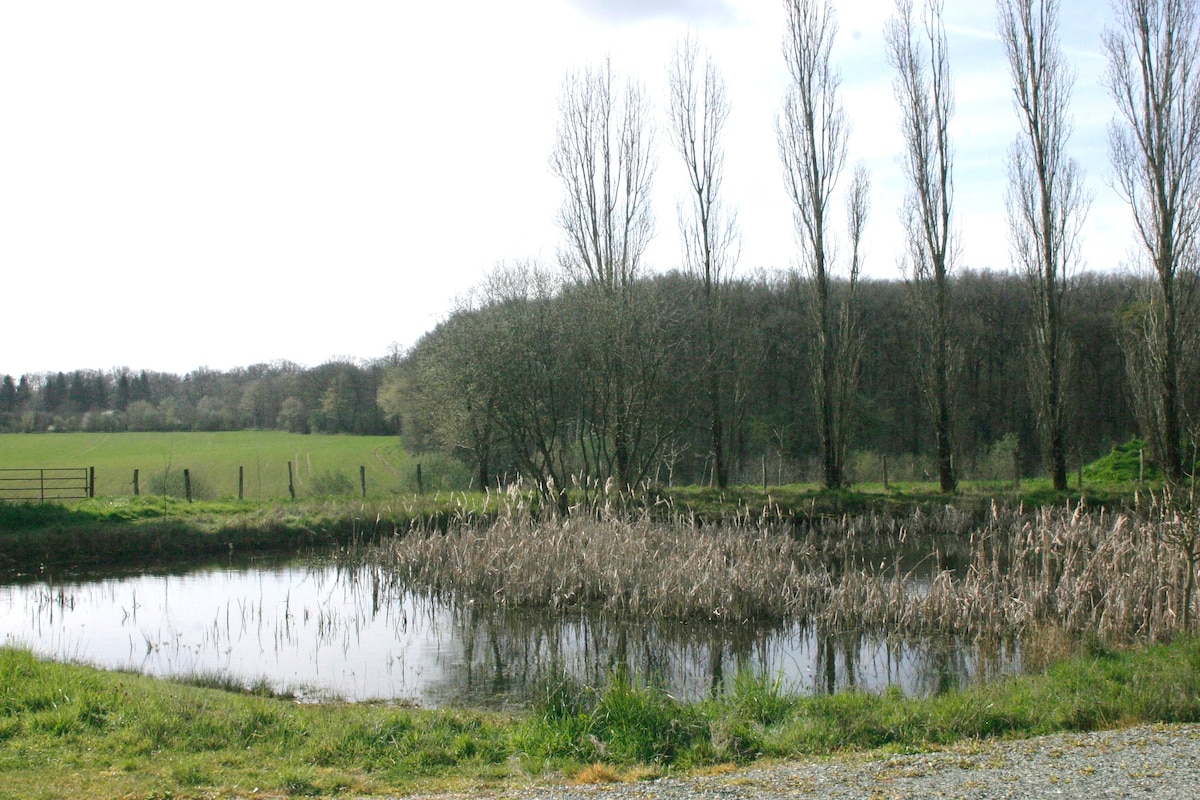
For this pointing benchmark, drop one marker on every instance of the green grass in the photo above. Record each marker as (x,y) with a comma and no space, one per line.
(75,731)
(213,460)
(117,528)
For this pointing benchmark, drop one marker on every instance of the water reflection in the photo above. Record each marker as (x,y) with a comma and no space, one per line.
(327,630)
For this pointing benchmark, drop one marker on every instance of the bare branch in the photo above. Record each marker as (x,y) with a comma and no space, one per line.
(812,134)
(604,155)
(699,110)
(1154,144)
(1046,204)
(922,87)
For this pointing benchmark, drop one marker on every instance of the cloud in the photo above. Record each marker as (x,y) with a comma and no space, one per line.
(708,13)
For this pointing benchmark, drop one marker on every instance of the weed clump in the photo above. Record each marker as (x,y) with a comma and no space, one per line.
(331,483)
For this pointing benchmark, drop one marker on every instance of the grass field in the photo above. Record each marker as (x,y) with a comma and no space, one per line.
(321,464)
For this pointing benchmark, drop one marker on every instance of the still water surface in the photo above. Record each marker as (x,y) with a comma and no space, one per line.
(321,630)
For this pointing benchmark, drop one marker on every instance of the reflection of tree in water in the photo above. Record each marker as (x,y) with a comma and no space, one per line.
(831,645)
(498,657)
(922,666)
(948,662)
(491,656)
(506,654)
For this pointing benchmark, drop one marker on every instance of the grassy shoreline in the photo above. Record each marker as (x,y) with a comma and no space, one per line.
(71,730)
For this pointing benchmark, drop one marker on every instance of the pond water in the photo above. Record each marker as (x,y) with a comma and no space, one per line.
(320,630)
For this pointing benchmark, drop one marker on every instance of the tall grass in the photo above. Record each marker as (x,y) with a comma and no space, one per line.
(1120,577)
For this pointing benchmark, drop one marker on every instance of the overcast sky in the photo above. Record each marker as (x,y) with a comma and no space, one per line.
(235,181)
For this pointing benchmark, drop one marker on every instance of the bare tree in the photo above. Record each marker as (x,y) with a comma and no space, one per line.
(699,110)
(812,131)
(604,155)
(1046,205)
(1154,145)
(922,87)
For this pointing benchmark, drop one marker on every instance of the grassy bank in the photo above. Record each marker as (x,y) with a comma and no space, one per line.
(79,732)
(128,531)
(122,530)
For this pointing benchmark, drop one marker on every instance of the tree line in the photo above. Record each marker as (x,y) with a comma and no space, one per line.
(516,383)
(336,397)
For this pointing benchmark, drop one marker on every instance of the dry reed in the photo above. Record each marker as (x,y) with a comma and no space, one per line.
(1121,577)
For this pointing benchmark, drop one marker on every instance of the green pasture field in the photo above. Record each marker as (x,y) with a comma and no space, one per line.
(213,459)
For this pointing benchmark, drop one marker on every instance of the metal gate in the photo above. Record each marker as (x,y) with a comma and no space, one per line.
(38,484)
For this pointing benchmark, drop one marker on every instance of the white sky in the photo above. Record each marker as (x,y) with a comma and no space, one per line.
(238,181)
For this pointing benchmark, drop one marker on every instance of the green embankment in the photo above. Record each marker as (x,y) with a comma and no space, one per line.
(131,531)
(71,731)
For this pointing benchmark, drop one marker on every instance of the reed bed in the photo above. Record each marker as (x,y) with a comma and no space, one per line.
(637,567)
(1122,577)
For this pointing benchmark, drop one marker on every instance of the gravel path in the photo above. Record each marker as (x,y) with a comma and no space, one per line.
(1159,762)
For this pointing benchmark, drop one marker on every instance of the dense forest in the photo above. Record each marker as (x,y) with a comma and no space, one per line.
(515,384)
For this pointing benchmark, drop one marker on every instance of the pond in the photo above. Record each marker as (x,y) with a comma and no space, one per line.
(324,630)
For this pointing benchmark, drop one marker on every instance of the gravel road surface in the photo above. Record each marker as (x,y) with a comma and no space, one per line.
(1160,762)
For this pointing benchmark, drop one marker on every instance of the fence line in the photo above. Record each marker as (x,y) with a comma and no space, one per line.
(79,483)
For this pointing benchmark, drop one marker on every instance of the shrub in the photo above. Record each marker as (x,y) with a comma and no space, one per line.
(171,484)
(332,483)
(439,473)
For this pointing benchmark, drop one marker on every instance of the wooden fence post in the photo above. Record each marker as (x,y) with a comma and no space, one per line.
(91,482)
(420,482)
(241,477)
(187,485)
(291,483)
(136,491)
(362,479)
